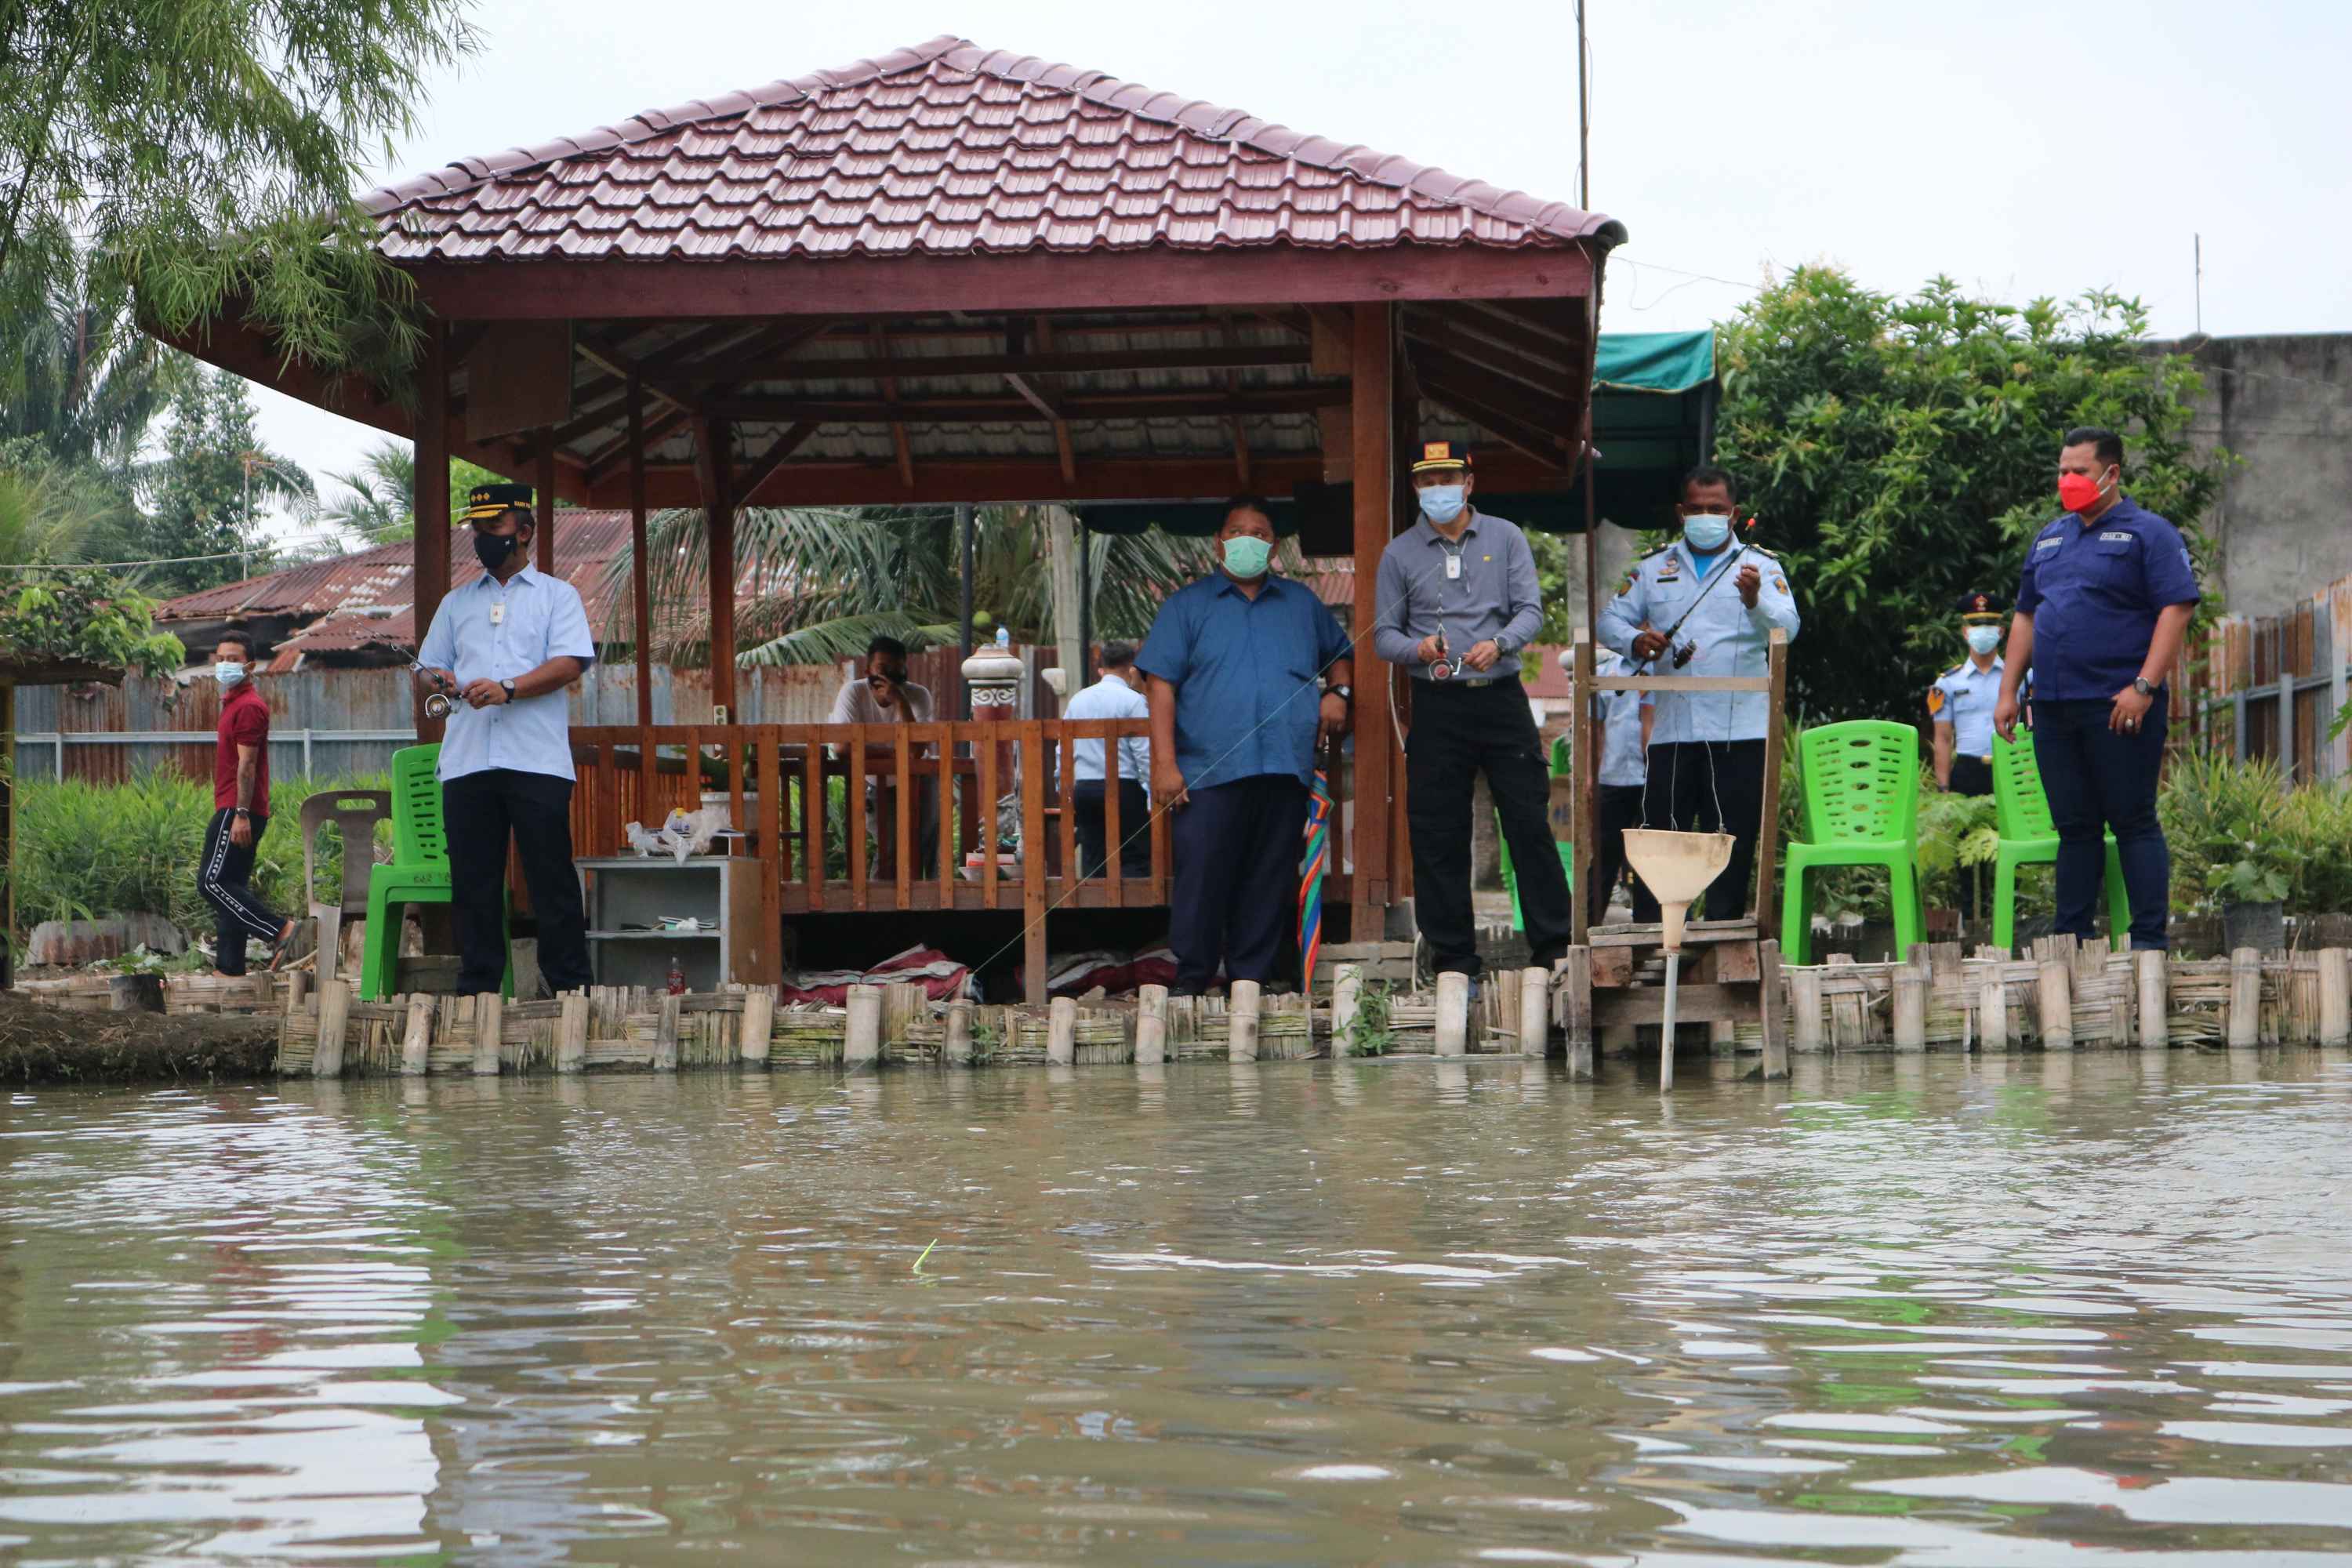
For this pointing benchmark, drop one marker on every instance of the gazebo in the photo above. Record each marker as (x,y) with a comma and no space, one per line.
(952,274)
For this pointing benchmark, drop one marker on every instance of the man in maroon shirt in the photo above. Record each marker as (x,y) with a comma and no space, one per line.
(240,815)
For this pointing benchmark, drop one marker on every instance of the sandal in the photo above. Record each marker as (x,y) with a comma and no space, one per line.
(283,945)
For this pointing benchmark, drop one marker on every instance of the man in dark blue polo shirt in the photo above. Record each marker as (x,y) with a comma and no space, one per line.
(2103,604)
(1235,662)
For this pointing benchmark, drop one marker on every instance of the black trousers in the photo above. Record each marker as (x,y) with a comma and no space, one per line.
(1134,827)
(480,813)
(1459,732)
(2100,782)
(1619,808)
(1236,848)
(1972,775)
(225,877)
(1687,778)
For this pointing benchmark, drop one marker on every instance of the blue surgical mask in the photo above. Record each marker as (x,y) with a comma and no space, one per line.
(1246,557)
(1442,503)
(1706,532)
(228,674)
(1983,639)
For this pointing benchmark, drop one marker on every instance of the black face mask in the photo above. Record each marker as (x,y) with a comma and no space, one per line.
(493,549)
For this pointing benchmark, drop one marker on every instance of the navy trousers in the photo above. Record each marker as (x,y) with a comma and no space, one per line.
(1236,849)
(480,814)
(2098,783)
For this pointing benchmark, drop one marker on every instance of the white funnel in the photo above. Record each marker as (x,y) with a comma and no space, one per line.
(1676,868)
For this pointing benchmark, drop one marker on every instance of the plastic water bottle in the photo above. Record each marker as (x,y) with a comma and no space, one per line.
(1005,636)
(676,976)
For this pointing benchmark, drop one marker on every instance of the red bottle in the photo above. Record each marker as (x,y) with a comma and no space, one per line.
(676,977)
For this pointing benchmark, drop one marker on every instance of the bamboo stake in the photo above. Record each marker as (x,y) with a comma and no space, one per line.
(572,1033)
(959,1043)
(1150,1025)
(665,1036)
(486,1007)
(1911,1007)
(862,1043)
(2055,992)
(1062,1030)
(334,1012)
(297,987)
(1993,1017)
(1575,972)
(1453,1013)
(1241,1045)
(1535,1026)
(417,1043)
(2335,997)
(2245,998)
(1805,1004)
(759,1022)
(2152,974)
(1346,995)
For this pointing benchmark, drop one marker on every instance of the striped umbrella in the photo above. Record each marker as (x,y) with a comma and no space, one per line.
(1312,864)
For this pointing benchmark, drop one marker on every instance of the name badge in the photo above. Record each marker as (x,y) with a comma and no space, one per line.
(498,614)
(2110,537)
(2045,544)
(1452,568)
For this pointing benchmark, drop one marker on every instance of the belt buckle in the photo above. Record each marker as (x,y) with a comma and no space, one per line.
(1478,680)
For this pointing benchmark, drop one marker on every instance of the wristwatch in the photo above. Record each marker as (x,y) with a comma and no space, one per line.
(1344,693)
(507,686)
(2140,685)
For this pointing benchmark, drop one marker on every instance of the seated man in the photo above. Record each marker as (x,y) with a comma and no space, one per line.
(884,695)
(1115,696)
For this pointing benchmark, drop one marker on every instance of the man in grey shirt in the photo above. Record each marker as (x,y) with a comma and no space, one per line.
(1457,601)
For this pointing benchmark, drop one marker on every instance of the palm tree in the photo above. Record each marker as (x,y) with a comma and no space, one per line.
(817,585)
(376,504)
(79,377)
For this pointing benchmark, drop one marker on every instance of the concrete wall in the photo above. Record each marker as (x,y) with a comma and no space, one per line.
(2284,405)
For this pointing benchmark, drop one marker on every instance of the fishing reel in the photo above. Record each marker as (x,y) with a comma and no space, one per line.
(440,705)
(1446,668)
(1685,653)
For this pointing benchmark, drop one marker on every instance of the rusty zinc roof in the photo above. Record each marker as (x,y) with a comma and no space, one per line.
(948,149)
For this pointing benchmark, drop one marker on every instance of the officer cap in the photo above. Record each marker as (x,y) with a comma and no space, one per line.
(485,502)
(1441,455)
(1980,605)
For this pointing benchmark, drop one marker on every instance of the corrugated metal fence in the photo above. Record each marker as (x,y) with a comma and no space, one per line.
(2272,685)
(334,721)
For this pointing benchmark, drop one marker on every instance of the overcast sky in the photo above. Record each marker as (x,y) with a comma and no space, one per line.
(2023,149)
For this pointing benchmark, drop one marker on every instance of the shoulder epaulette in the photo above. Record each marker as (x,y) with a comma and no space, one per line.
(1759,550)
(1955,669)
(1661,550)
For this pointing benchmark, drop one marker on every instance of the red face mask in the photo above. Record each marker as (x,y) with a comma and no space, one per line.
(2078,492)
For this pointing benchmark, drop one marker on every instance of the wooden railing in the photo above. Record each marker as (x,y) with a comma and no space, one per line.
(790,788)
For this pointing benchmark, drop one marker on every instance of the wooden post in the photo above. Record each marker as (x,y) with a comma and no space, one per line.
(1769,1004)
(1034,755)
(416,1044)
(1767,832)
(1993,1017)
(1347,996)
(2055,994)
(1575,973)
(639,602)
(297,987)
(1535,1012)
(572,1033)
(752,1036)
(1150,1025)
(665,1035)
(711,462)
(488,1022)
(2152,973)
(2245,997)
(1582,736)
(542,533)
(429,547)
(861,1044)
(1371,466)
(1453,1013)
(1061,1031)
(1911,1002)
(334,1016)
(959,1045)
(2335,990)
(1241,1014)
(1805,1007)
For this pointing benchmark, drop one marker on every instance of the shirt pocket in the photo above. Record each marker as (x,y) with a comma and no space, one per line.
(2115,563)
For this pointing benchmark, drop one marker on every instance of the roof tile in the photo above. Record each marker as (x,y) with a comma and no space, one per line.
(944,148)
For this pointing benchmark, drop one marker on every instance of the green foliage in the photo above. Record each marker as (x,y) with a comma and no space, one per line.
(201,156)
(2239,835)
(210,487)
(1900,452)
(377,502)
(1957,833)
(78,379)
(82,615)
(87,849)
(1369,1034)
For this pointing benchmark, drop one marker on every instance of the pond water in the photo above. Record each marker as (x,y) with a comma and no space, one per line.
(2029,1310)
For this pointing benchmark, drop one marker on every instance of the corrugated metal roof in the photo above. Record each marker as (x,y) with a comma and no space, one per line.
(947,149)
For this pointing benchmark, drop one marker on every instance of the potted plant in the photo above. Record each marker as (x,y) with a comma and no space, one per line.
(2253,891)
(2234,845)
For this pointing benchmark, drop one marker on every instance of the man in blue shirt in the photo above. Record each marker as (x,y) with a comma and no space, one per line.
(506,644)
(1113,697)
(1234,661)
(2103,605)
(1620,734)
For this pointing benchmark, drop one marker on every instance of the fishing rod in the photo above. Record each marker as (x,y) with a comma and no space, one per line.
(1684,655)
(442,702)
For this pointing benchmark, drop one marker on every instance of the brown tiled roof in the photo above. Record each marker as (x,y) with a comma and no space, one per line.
(948,149)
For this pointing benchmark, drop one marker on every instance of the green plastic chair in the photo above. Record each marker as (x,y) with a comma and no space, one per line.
(419,872)
(2027,838)
(1862,808)
(1566,851)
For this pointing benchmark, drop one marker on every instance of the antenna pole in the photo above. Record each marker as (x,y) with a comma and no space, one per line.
(1583,120)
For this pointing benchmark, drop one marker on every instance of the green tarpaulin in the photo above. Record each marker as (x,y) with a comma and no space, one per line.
(1652,417)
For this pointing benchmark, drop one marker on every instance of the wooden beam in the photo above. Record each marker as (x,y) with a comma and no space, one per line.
(1029,281)
(640,599)
(1541,411)
(599,462)
(1472,343)
(612,362)
(711,462)
(787,442)
(1065,451)
(1188,403)
(1234,422)
(1372,350)
(897,427)
(429,498)
(753,358)
(543,525)
(1238,356)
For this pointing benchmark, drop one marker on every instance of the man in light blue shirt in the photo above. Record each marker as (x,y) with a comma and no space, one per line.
(1115,696)
(506,644)
(1622,722)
